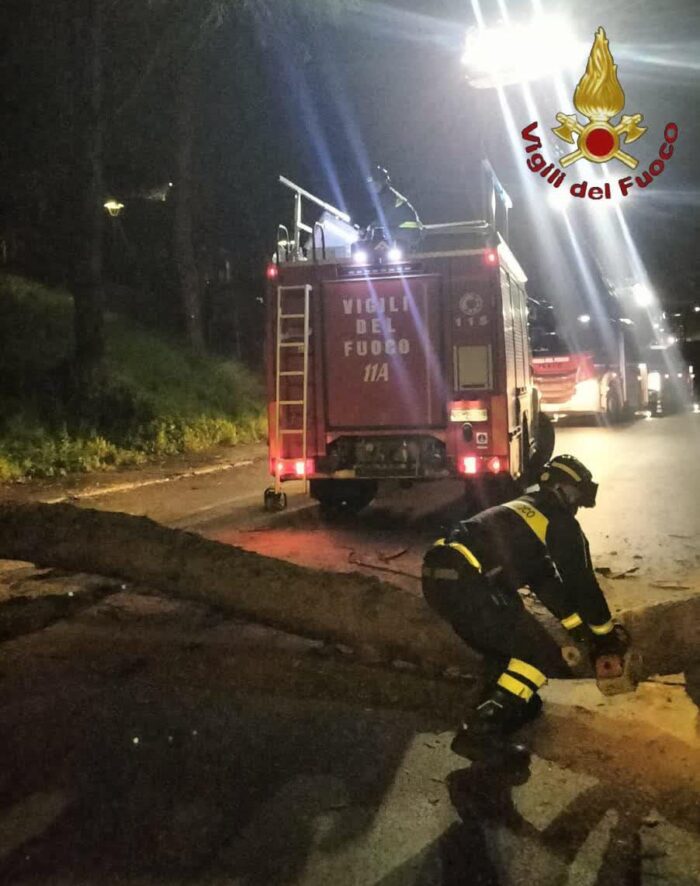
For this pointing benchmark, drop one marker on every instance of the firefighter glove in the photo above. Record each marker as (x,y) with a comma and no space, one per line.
(616,642)
(582,635)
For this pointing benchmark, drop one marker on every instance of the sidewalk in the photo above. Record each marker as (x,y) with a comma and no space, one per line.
(89,485)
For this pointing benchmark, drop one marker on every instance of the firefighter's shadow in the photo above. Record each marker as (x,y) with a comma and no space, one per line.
(620,806)
(483,797)
(466,853)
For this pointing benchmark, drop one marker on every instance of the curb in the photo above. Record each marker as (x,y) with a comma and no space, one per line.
(97,491)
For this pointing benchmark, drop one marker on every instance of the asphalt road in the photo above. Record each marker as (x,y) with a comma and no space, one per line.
(648,512)
(649,496)
(151,741)
(646,522)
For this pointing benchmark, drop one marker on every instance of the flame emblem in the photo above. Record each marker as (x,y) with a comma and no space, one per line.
(599,97)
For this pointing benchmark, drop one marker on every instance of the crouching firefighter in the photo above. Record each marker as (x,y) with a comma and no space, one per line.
(471,579)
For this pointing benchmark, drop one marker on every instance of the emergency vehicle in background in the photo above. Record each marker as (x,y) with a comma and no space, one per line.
(587,364)
(390,366)
(671,382)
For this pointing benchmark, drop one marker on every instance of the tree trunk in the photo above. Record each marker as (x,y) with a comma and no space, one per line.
(374,617)
(185,262)
(88,292)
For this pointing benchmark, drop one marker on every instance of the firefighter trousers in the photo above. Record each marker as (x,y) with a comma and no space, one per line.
(489,617)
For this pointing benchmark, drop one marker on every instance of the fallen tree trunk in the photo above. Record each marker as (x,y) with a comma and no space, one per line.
(375,618)
(378,620)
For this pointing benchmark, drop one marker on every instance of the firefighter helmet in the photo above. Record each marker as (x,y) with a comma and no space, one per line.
(568,470)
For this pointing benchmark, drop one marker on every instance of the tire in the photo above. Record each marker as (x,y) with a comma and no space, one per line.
(525,452)
(543,446)
(343,496)
(274,501)
(614,407)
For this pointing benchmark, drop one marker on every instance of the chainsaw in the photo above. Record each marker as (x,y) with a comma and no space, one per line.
(614,674)
(617,674)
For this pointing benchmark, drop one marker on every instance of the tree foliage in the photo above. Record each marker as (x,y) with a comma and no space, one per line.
(107,98)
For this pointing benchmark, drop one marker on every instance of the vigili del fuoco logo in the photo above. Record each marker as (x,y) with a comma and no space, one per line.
(599,97)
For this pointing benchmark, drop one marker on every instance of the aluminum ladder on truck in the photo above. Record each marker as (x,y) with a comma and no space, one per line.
(277,500)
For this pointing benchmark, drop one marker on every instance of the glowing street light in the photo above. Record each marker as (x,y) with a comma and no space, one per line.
(517,53)
(584,318)
(642,295)
(113,207)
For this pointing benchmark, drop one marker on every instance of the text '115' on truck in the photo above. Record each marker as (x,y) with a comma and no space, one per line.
(391,364)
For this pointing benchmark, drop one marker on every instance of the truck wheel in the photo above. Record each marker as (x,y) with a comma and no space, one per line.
(274,501)
(543,448)
(343,496)
(614,410)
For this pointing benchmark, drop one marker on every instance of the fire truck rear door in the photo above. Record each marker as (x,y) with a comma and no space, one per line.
(383,354)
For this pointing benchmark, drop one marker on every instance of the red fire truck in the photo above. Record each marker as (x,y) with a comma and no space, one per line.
(388,366)
(590,367)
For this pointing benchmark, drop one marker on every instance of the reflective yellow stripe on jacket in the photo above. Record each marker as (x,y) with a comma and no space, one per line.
(535,519)
(602,630)
(467,554)
(462,549)
(572,621)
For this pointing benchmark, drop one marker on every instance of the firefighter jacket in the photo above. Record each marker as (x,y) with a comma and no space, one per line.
(536,541)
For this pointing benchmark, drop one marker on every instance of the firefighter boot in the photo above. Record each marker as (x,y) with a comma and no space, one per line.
(521,680)
(524,714)
(486,736)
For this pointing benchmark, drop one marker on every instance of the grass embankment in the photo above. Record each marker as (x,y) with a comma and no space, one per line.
(157,398)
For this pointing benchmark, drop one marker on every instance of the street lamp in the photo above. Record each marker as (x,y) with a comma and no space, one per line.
(642,295)
(510,53)
(113,207)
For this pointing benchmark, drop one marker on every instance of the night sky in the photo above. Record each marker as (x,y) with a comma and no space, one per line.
(385,84)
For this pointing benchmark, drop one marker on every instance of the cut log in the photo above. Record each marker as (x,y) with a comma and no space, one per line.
(379,621)
(352,609)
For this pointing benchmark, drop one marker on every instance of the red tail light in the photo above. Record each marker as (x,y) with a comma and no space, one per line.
(294,467)
(494,465)
(490,257)
(272,272)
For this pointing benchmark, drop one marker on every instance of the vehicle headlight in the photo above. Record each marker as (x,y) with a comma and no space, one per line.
(654,381)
